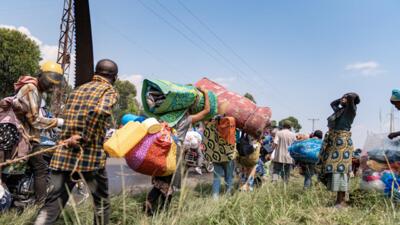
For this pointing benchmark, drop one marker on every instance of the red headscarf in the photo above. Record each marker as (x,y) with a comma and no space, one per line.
(25,80)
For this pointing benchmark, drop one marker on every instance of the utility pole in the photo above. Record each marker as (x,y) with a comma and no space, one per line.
(313,120)
(391,120)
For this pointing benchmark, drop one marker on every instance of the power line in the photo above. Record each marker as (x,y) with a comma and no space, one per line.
(145,50)
(179,31)
(239,71)
(200,38)
(217,37)
(236,54)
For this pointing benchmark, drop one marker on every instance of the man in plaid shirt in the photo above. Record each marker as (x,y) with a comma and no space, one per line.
(87,116)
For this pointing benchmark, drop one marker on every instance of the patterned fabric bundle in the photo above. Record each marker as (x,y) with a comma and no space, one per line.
(169,102)
(9,136)
(217,149)
(155,155)
(249,117)
(336,152)
(306,151)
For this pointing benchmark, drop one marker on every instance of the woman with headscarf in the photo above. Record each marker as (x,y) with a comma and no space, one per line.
(337,148)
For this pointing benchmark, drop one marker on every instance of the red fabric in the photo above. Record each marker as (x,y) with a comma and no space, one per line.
(372,178)
(227,129)
(25,80)
(249,117)
(155,163)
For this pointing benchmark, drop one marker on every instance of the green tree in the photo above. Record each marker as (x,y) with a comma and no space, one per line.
(250,96)
(19,55)
(294,123)
(127,102)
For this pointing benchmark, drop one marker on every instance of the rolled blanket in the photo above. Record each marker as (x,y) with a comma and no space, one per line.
(252,119)
(169,102)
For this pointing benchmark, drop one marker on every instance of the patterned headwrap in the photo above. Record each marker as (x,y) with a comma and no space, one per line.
(395,95)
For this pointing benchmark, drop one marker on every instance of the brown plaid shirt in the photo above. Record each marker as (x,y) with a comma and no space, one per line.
(26,107)
(87,113)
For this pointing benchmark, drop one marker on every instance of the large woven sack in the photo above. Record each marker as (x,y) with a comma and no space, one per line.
(125,139)
(249,117)
(306,151)
(136,156)
(155,155)
(171,161)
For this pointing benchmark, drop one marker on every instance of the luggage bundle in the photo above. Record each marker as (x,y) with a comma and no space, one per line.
(219,140)
(306,151)
(382,170)
(250,118)
(148,147)
(249,152)
(155,155)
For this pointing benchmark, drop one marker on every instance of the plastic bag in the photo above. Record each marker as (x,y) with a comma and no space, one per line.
(306,151)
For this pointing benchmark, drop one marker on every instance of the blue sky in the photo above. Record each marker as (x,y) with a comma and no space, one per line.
(298,55)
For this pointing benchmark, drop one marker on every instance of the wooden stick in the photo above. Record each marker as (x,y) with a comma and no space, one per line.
(9,162)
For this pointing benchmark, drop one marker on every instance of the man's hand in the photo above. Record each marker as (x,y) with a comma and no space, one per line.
(393,135)
(73,141)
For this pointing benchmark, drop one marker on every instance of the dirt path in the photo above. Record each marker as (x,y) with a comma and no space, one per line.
(135,182)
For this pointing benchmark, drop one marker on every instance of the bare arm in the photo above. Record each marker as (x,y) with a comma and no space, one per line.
(200,115)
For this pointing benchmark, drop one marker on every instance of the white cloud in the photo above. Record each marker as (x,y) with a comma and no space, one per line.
(137,80)
(224,81)
(367,68)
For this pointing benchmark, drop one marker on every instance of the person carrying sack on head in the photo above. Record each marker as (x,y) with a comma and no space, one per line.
(87,114)
(30,92)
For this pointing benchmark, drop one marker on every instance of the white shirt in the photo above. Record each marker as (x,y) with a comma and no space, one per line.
(283,139)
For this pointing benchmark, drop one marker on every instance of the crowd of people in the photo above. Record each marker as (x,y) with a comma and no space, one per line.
(87,116)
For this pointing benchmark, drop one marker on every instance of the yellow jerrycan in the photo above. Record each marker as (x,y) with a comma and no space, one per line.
(125,139)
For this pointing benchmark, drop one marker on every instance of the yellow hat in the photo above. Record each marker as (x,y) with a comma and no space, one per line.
(50,66)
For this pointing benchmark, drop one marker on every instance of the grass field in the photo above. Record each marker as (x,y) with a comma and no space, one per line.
(270,204)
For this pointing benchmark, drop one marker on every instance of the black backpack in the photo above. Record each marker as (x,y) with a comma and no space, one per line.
(245,146)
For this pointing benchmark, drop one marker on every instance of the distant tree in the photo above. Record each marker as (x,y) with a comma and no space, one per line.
(274,123)
(19,55)
(127,102)
(294,123)
(250,96)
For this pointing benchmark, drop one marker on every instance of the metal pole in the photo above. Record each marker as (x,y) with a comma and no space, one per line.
(313,120)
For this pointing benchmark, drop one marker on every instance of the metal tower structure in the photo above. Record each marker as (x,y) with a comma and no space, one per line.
(65,43)
(66,39)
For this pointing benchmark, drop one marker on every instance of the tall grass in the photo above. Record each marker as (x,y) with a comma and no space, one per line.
(270,204)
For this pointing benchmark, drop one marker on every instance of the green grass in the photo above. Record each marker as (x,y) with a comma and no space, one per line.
(270,204)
